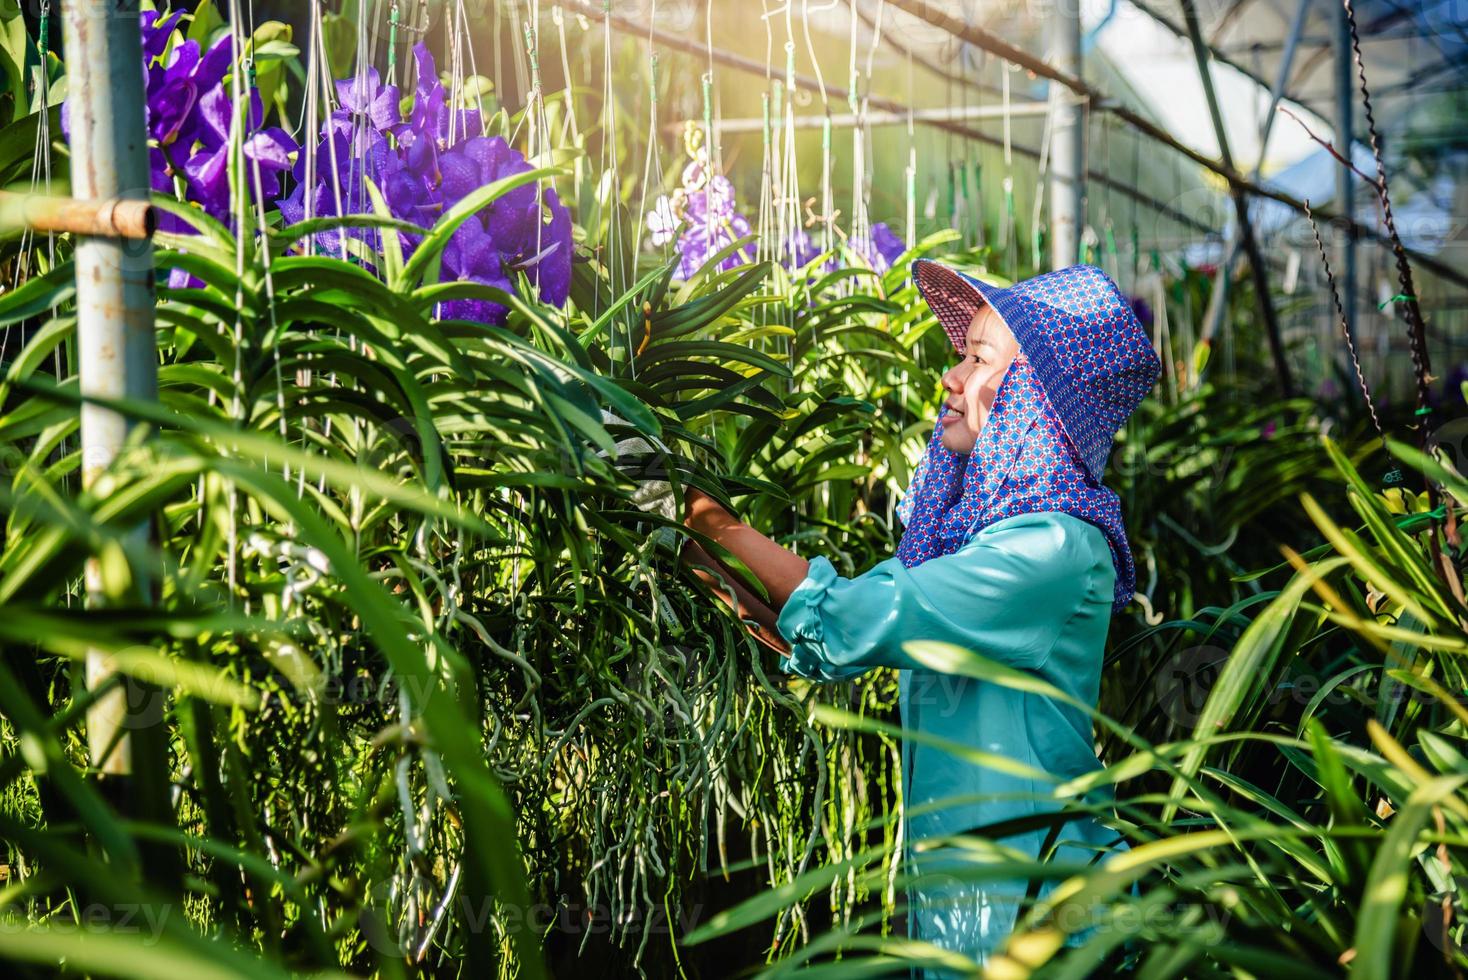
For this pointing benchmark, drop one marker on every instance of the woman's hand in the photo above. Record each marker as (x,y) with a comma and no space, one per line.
(778,569)
(759,619)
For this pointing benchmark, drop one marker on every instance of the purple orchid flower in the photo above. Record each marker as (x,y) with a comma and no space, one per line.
(207,170)
(712,224)
(432,126)
(513,226)
(338,187)
(470,256)
(879,249)
(156,32)
(365,99)
(175,88)
(699,243)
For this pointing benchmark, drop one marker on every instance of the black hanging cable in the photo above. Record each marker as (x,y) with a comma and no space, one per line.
(1421,365)
(1393,475)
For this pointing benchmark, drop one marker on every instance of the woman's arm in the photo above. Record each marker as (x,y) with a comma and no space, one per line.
(778,569)
(744,603)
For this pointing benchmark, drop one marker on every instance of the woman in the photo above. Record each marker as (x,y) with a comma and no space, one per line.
(1013,548)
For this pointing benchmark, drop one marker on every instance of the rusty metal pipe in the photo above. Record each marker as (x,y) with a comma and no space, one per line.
(113,218)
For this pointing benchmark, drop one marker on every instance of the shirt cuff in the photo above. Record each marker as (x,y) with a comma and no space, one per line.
(801,625)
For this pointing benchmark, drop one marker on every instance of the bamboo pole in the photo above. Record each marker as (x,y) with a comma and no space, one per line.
(112,218)
(114,298)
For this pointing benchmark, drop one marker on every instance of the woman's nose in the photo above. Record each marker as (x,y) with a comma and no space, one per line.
(953,379)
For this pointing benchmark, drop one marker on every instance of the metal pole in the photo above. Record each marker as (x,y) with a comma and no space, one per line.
(1345,185)
(1218,302)
(755,124)
(1068,138)
(1258,270)
(114,290)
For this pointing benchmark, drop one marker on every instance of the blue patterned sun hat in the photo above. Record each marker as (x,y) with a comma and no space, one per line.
(1089,351)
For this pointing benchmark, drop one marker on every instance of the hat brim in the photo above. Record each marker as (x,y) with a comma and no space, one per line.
(954,298)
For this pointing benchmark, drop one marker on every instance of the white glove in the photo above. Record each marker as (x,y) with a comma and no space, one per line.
(651,496)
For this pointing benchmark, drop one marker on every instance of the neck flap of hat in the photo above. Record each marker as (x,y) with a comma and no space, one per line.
(1022,463)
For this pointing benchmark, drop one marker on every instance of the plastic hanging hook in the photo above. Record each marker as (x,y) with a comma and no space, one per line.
(392,43)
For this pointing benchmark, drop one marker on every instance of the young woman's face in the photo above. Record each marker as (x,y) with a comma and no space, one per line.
(973,382)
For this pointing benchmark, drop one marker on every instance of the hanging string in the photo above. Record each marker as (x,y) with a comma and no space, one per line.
(856,104)
(708,172)
(240,206)
(970,162)
(790,218)
(861,180)
(245,114)
(1008,225)
(499,75)
(609,181)
(1417,337)
(522,71)
(652,159)
(1086,240)
(715,142)
(764,246)
(911,182)
(454,34)
(323,62)
(826,217)
(309,129)
(1036,233)
(570,131)
(40,173)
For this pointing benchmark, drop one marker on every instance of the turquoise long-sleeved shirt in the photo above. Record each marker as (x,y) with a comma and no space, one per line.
(1033,592)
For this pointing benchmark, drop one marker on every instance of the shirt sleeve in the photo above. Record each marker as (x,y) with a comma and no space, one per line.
(1006,594)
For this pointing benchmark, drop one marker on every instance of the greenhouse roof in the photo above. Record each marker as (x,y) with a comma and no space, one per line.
(1410,49)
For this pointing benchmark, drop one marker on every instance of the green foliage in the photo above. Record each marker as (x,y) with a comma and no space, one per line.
(1292,828)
